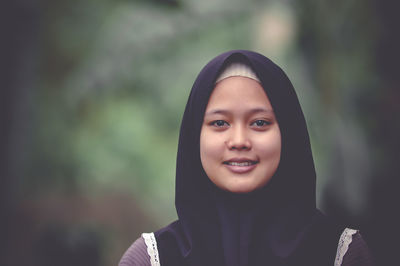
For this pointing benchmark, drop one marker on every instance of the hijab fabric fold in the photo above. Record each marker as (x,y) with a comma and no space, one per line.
(275,225)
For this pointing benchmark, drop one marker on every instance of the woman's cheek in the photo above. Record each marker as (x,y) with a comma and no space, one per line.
(215,147)
(269,147)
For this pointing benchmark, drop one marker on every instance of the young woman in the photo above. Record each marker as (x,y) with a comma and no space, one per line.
(245,178)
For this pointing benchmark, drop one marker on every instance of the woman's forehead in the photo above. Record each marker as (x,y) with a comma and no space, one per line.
(238,92)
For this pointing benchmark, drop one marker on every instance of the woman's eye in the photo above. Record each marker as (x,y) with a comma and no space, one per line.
(219,123)
(261,123)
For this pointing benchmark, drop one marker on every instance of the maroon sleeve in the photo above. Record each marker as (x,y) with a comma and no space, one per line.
(358,253)
(136,255)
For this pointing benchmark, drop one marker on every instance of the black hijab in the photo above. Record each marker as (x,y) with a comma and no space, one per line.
(276,225)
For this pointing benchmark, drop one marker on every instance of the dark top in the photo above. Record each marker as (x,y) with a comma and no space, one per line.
(358,254)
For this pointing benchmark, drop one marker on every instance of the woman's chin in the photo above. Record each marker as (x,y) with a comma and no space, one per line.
(240,188)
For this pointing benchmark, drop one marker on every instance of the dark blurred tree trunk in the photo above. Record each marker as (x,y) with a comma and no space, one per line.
(18,48)
(385,222)
(323,33)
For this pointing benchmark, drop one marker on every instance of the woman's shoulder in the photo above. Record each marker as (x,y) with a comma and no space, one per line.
(143,252)
(352,250)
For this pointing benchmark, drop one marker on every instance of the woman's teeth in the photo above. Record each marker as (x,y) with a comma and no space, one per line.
(240,164)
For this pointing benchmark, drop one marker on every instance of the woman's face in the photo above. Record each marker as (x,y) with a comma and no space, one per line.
(240,140)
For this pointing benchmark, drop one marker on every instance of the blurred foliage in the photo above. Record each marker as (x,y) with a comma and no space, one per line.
(112,117)
(109,92)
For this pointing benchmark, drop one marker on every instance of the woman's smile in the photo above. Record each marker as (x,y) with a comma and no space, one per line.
(240,165)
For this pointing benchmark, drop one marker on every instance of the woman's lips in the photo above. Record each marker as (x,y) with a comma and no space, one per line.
(240,166)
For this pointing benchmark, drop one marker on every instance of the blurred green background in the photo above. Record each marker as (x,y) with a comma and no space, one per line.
(94,92)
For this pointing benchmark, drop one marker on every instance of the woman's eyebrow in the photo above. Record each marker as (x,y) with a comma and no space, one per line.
(251,111)
(217,111)
(261,110)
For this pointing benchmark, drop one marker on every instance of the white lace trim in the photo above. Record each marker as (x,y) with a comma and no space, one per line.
(344,242)
(152,250)
(345,239)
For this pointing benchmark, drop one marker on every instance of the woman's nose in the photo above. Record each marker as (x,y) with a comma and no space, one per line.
(238,139)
